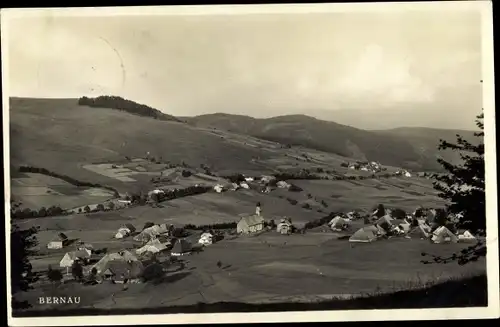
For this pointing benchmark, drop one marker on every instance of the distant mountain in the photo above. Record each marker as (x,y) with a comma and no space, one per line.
(412,148)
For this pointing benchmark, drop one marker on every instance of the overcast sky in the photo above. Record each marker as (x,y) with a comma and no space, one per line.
(257,64)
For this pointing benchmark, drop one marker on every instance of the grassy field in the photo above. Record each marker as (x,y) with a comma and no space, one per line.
(275,268)
(37,190)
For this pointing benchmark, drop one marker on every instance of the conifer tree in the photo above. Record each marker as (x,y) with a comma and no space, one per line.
(463,187)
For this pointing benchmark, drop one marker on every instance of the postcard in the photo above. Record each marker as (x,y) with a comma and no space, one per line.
(250,163)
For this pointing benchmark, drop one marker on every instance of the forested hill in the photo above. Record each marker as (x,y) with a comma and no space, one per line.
(118,103)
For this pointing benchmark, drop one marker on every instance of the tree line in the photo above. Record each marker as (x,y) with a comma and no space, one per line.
(119,103)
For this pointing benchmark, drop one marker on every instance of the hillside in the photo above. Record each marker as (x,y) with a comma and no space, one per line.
(412,148)
(119,103)
(61,136)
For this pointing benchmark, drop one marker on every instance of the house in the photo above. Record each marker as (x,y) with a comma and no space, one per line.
(422,231)
(70,257)
(250,224)
(407,174)
(58,242)
(284,227)
(153,246)
(125,231)
(249,179)
(338,224)
(206,239)
(283,184)
(363,235)
(234,187)
(181,247)
(151,232)
(124,255)
(467,237)
(443,235)
(121,272)
(85,247)
(244,185)
(267,179)
(219,188)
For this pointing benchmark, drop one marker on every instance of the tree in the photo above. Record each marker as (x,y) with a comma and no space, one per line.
(77,270)
(54,275)
(22,243)
(100,207)
(463,187)
(111,205)
(86,209)
(42,212)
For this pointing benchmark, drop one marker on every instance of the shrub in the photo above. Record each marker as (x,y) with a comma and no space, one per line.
(186,173)
(100,207)
(306,206)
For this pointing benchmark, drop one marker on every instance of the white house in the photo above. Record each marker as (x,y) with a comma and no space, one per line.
(206,239)
(250,224)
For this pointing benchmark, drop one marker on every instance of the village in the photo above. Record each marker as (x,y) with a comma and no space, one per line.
(158,247)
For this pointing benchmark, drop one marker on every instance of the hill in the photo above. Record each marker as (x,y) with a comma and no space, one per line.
(412,148)
(118,103)
(61,136)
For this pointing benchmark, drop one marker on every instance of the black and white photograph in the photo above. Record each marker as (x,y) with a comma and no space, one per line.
(250,163)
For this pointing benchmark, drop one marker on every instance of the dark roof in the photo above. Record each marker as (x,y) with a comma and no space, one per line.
(182,246)
(63,236)
(130,227)
(122,268)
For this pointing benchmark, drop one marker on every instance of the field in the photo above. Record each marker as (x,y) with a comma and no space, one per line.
(37,190)
(271,267)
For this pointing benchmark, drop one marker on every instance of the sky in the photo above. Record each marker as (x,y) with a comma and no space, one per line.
(261,65)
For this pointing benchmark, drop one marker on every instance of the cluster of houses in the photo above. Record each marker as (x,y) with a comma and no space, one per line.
(261,184)
(409,227)
(403,172)
(371,166)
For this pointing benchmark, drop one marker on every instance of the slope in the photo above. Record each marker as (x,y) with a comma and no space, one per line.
(61,136)
(406,148)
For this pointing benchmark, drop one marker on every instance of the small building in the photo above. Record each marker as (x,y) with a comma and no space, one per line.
(122,272)
(250,224)
(284,227)
(206,239)
(244,185)
(283,184)
(153,246)
(181,247)
(125,231)
(70,258)
(219,188)
(60,241)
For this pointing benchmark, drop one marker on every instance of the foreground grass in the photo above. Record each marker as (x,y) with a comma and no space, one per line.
(464,292)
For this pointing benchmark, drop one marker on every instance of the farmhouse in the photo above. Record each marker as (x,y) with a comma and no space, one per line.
(467,237)
(59,242)
(122,272)
(70,257)
(283,184)
(284,227)
(181,247)
(338,224)
(443,235)
(124,255)
(250,224)
(206,239)
(125,230)
(153,246)
(219,188)
(363,235)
